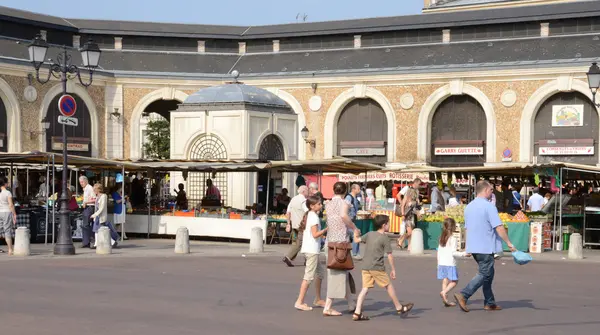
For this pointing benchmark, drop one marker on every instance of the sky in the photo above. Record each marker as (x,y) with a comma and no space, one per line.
(224,12)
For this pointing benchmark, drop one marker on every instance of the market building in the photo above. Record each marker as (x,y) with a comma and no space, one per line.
(465,83)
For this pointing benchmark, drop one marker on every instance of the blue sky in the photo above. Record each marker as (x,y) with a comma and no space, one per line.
(227,12)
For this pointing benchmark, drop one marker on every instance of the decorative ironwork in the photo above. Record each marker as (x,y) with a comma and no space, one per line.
(271,149)
(207,147)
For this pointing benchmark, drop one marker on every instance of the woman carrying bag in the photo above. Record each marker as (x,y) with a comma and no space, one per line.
(339,248)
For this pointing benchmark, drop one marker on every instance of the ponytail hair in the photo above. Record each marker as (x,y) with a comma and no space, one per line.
(310,201)
(449,227)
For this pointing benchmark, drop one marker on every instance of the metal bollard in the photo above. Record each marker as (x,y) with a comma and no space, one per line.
(416,242)
(22,247)
(576,246)
(103,244)
(256,241)
(182,241)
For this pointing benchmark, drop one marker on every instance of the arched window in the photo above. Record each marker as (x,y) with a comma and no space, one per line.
(271,149)
(206,147)
(3,127)
(79,139)
(362,131)
(565,129)
(458,132)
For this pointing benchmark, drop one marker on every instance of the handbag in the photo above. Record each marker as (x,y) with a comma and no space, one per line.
(339,256)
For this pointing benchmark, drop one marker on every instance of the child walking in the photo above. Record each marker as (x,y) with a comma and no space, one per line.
(373,271)
(311,248)
(447,270)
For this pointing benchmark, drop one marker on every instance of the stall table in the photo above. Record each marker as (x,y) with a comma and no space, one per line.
(518,232)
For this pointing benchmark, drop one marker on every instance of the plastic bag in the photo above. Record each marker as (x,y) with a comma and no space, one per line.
(521,258)
(129,207)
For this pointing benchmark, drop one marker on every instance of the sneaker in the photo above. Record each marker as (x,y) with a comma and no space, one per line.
(288,262)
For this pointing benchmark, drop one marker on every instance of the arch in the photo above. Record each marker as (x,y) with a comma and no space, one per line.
(13,117)
(165,93)
(197,135)
(207,146)
(297,108)
(563,84)
(430,107)
(336,108)
(89,103)
(277,139)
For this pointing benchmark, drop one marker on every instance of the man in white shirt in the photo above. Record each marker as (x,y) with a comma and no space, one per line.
(536,201)
(295,214)
(89,201)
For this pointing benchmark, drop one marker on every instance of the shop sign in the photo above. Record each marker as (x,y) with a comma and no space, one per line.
(71,146)
(449,151)
(362,151)
(567,116)
(566,151)
(382,176)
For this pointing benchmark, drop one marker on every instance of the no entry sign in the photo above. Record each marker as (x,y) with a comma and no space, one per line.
(67,105)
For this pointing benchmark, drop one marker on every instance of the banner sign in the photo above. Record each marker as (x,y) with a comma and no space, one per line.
(566,151)
(449,151)
(362,151)
(71,146)
(401,176)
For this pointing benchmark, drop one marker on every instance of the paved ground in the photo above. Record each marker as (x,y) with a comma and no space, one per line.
(207,294)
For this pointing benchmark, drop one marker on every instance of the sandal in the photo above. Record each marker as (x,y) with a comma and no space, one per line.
(360,317)
(405,308)
(446,302)
(331,312)
(303,307)
(320,304)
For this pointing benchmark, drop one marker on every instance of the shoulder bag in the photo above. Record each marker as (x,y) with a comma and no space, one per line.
(339,256)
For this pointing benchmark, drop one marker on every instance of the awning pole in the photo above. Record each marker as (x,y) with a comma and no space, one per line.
(53,191)
(148,187)
(268,186)
(123,202)
(559,246)
(27,189)
(47,198)
(11,179)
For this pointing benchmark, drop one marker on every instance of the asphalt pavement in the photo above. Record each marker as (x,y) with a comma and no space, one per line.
(235,294)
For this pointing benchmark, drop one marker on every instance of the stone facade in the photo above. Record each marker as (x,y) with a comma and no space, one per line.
(509,116)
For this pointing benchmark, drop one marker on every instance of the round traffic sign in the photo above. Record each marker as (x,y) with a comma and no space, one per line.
(67,105)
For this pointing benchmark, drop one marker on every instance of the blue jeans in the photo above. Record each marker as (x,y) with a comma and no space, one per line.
(355,246)
(484,277)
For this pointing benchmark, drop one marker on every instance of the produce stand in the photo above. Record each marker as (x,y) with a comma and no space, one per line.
(518,233)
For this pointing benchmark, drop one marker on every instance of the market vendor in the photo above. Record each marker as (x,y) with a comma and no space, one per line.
(438,204)
(283,200)
(212,192)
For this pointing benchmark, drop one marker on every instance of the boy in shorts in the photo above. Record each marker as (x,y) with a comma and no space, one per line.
(373,271)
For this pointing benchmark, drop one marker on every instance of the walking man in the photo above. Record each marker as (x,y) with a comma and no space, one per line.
(353,207)
(89,201)
(484,231)
(295,214)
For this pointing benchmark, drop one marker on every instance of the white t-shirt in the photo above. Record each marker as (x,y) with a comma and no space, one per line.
(535,202)
(4,206)
(404,190)
(89,195)
(297,208)
(311,245)
(446,255)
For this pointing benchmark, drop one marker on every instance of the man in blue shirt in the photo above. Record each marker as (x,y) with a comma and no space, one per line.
(353,207)
(484,231)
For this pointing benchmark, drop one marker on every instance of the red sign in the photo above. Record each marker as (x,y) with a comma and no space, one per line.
(566,151)
(67,105)
(458,151)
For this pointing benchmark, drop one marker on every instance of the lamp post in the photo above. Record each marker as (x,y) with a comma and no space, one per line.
(593,76)
(62,68)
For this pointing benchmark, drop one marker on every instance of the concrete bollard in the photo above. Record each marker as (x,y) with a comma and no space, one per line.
(22,242)
(416,242)
(182,241)
(103,244)
(576,246)
(256,241)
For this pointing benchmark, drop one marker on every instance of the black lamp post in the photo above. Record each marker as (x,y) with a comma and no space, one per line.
(62,68)
(593,76)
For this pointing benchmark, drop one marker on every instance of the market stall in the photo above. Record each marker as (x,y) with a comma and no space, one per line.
(227,222)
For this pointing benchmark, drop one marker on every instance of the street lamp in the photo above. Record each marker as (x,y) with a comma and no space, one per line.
(304,133)
(593,76)
(90,54)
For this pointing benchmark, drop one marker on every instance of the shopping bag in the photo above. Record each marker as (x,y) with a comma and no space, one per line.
(521,258)
(129,207)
